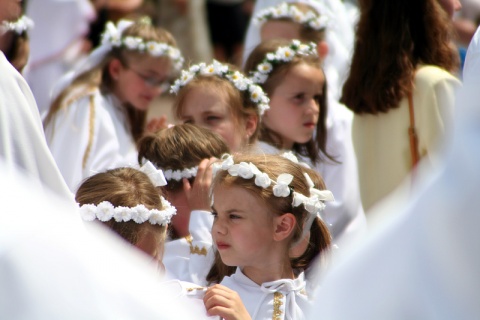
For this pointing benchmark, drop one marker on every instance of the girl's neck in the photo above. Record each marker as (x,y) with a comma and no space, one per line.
(270,272)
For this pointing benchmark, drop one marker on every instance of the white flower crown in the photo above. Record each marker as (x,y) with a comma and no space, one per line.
(112,36)
(310,18)
(105,211)
(240,82)
(178,175)
(282,55)
(20,26)
(313,204)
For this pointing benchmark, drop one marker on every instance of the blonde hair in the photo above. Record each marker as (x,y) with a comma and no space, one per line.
(240,104)
(274,165)
(99,76)
(125,187)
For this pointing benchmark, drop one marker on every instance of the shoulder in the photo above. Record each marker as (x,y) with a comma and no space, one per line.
(429,75)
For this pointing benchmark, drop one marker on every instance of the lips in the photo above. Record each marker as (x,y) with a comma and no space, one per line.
(222,246)
(310,125)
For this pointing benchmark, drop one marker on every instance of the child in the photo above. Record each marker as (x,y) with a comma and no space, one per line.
(262,205)
(126,201)
(96,120)
(222,99)
(182,152)
(297,85)
(14,41)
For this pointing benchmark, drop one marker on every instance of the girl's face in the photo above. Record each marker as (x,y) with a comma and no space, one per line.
(274,29)
(294,106)
(242,228)
(10,10)
(209,108)
(140,80)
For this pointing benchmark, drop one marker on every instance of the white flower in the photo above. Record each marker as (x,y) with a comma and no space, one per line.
(122,214)
(256,93)
(290,156)
(298,199)
(154,48)
(208,70)
(132,43)
(88,212)
(285,54)
(281,189)
(227,163)
(177,175)
(271,57)
(262,180)
(105,211)
(265,67)
(259,77)
(168,174)
(141,213)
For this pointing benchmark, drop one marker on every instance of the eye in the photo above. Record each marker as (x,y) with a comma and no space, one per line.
(213,118)
(188,121)
(214,214)
(234,216)
(298,98)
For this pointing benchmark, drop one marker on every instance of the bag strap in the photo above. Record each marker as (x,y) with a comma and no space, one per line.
(412,133)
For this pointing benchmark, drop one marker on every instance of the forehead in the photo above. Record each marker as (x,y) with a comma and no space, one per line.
(202,99)
(145,62)
(304,76)
(279,29)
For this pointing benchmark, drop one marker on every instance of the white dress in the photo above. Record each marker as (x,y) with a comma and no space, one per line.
(22,140)
(190,258)
(344,217)
(90,135)
(280,299)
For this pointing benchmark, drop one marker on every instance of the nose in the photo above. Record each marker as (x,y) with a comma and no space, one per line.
(313,106)
(218,227)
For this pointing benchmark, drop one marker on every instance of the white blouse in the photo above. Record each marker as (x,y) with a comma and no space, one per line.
(91,134)
(279,299)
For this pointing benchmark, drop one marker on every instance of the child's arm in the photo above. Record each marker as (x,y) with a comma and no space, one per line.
(224,302)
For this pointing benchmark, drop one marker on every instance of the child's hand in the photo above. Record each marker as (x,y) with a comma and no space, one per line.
(156,124)
(221,301)
(198,194)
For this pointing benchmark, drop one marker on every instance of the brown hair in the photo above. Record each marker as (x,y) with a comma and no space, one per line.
(275,77)
(180,147)
(392,39)
(19,49)
(274,165)
(126,187)
(307,33)
(241,106)
(99,76)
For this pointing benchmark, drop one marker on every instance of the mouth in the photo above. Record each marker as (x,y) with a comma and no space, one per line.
(222,246)
(309,125)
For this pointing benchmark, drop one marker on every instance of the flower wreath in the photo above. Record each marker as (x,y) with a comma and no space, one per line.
(240,82)
(309,19)
(178,175)
(313,204)
(282,55)
(23,24)
(112,37)
(106,211)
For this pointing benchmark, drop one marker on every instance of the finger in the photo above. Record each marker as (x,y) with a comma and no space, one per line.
(187,187)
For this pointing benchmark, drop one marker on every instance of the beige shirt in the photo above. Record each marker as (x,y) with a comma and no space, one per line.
(382,143)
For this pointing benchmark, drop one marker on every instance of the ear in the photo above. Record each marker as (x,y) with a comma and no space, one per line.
(251,124)
(115,67)
(283,226)
(322,49)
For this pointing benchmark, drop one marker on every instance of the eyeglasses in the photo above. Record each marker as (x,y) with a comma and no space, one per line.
(152,81)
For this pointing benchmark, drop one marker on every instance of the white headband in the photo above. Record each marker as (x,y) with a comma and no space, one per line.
(313,204)
(20,26)
(282,55)
(105,211)
(240,82)
(310,18)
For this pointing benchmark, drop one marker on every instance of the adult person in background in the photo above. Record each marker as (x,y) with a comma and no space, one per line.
(425,262)
(22,140)
(402,61)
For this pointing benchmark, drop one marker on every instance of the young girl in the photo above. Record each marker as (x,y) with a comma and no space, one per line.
(182,152)
(291,74)
(14,41)
(220,98)
(95,121)
(126,201)
(262,205)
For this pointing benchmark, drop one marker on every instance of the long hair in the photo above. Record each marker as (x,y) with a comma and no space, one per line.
(99,77)
(274,165)
(392,39)
(318,142)
(125,187)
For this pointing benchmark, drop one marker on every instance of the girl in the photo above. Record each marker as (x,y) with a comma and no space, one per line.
(257,218)
(221,99)
(182,152)
(126,201)
(95,121)
(14,41)
(296,86)
(397,86)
